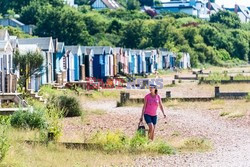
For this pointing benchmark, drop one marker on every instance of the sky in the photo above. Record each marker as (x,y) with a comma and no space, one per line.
(231,3)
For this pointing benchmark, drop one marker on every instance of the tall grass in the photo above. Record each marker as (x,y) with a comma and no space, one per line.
(113,142)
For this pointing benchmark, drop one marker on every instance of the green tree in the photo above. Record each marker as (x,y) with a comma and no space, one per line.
(146,2)
(28,64)
(227,18)
(95,23)
(66,24)
(133,4)
(133,34)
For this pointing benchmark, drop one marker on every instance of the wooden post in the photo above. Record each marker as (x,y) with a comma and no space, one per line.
(231,78)
(176,76)
(124,97)
(51,136)
(217,91)
(168,94)
(173,82)
(202,79)
(197,76)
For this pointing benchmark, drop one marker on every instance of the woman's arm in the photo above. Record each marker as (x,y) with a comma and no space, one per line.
(162,109)
(143,108)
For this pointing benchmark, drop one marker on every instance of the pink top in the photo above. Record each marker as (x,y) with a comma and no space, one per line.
(152,104)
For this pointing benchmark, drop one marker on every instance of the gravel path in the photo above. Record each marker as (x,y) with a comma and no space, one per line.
(231,140)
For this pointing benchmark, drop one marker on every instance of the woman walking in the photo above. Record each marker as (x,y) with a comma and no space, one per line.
(149,110)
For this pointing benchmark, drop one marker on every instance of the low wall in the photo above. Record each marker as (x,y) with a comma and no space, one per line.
(232,80)
(125,97)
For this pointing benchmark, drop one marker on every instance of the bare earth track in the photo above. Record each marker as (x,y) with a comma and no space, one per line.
(231,139)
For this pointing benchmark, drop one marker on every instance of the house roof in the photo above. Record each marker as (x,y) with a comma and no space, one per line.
(86,50)
(112,4)
(14,41)
(135,51)
(60,46)
(244,10)
(25,48)
(4,35)
(215,7)
(4,44)
(45,43)
(73,49)
(98,50)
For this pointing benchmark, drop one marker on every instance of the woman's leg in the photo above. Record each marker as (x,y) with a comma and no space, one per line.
(154,120)
(151,131)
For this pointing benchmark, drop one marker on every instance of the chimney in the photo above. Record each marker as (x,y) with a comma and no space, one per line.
(236,8)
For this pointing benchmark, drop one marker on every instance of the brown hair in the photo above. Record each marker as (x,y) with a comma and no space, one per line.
(156,91)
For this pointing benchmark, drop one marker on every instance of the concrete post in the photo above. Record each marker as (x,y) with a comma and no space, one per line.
(168,94)
(217,91)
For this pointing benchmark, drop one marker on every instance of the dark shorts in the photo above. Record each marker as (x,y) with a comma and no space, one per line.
(150,119)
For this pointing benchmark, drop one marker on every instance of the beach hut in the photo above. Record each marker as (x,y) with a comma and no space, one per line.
(47,50)
(60,66)
(159,60)
(185,61)
(135,57)
(125,61)
(117,60)
(103,64)
(8,79)
(74,55)
(88,55)
(6,66)
(150,59)
(168,59)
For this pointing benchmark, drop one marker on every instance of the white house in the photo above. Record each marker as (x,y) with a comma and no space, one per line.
(103,4)
(192,7)
(243,12)
(7,77)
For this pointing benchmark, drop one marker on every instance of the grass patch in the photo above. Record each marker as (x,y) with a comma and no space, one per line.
(104,94)
(117,142)
(195,144)
(224,113)
(21,154)
(169,85)
(232,114)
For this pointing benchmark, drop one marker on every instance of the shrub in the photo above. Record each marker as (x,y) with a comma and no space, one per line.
(161,147)
(138,143)
(53,120)
(68,105)
(29,119)
(111,141)
(4,120)
(4,143)
(248,97)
